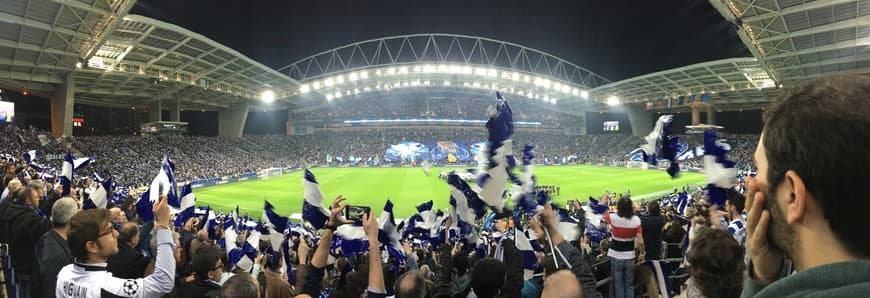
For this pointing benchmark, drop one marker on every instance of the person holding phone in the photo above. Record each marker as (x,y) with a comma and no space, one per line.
(809,200)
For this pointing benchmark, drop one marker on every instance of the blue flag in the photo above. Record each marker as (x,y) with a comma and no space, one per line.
(661,145)
(499,155)
(312,203)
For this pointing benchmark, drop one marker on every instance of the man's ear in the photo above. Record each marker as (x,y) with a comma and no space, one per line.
(797,197)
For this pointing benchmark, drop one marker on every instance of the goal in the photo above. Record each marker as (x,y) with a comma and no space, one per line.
(266,173)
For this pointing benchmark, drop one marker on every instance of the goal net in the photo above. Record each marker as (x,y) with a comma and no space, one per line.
(266,173)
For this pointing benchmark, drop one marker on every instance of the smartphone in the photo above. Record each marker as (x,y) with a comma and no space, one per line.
(159,188)
(355,213)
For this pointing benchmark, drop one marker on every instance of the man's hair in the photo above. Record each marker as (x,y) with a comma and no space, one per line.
(815,131)
(624,207)
(36,184)
(412,284)
(460,263)
(717,263)
(128,231)
(23,194)
(487,278)
(86,226)
(653,208)
(549,265)
(62,211)
(241,285)
(205,261)
(737,200)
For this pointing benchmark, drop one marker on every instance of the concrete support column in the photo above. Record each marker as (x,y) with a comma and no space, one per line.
(711,115)
(641,120)
(289,122)
(155,111)
(62,107)
(696,115)
(175,110)
(231,121)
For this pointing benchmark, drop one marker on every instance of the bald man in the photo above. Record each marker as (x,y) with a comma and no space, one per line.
(562,284)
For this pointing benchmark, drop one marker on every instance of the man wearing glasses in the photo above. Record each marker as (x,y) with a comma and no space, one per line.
(92,240)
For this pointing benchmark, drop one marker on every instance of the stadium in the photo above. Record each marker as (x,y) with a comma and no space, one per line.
(498,151)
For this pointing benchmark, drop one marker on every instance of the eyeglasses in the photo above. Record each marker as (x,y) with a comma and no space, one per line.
(219,266)
(110,231)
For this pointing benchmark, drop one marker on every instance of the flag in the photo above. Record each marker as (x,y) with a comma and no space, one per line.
(567,225)
(351,238)
(682,202)
(388,234)
(499,155)
(312,203)
(275,224)
(99,198)
(721,173)
(144,206)
(70,165)
(660,144)
(530,261)
(165,180)
(30,156)
(187,210)
(594,228)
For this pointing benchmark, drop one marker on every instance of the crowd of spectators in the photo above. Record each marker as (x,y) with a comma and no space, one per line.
(132,159)
(391,107)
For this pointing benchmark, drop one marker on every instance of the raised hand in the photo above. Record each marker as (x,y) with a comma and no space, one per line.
(335,217)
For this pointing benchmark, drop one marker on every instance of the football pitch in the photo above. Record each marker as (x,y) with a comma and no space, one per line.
(407,187)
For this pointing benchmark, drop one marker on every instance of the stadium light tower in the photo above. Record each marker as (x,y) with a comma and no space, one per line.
(267,96)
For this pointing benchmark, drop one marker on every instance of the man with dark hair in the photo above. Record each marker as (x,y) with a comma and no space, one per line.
(717,266)
(487,277)
(208,269)
(241,285)
(810,196)
(652,224)
(21,225)
(52,251)
(270,277)
(92,240)
(462,283)
(129,262)
(734,204)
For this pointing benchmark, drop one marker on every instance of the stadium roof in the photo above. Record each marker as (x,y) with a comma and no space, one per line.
(729,82)
(441,61)
(130,59)
(799,40)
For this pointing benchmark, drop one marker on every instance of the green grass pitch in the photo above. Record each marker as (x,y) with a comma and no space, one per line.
(407,187)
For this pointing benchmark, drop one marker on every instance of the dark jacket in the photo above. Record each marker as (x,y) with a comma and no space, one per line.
(21,227)
(52,253)
(200,288)
(652,235)
(513,262)
(313,281)
(579,267)
(127,263)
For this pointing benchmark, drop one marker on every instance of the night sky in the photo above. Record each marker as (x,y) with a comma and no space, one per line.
(617,39)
